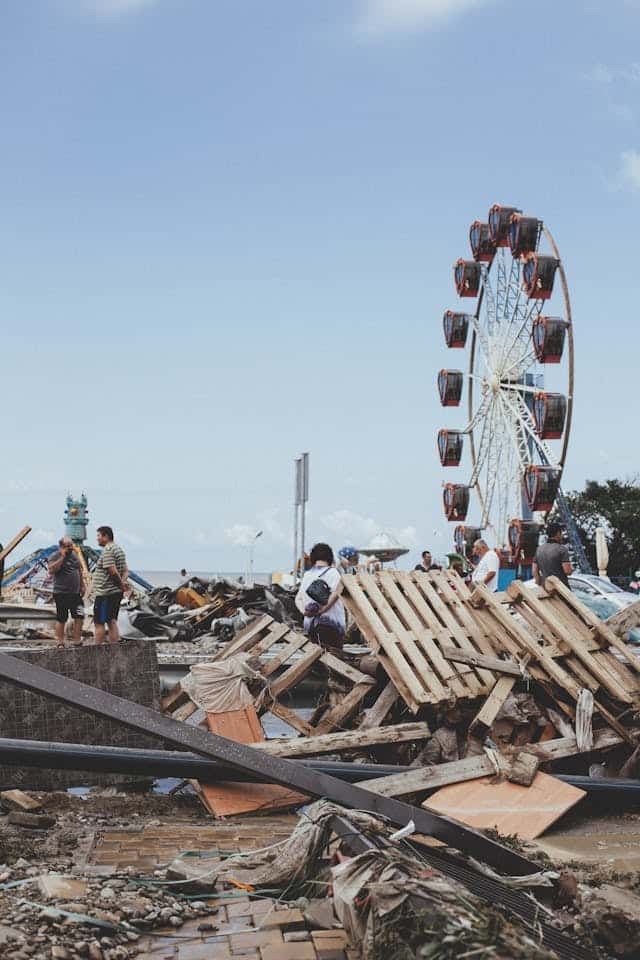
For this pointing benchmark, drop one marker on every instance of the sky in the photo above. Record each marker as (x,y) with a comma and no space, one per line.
(226,236)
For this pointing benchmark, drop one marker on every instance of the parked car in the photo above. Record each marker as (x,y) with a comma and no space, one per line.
(600,587)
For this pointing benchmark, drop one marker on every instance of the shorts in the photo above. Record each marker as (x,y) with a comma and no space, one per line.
(68,605)
(106,609)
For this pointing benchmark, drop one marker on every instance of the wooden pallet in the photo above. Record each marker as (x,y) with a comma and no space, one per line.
(439,641)
(414,622)
(279,648)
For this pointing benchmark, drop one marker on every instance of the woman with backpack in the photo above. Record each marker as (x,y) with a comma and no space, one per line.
(319,600)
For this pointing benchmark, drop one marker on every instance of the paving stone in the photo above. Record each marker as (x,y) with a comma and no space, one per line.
(239,908)
(282,918)
(246,942)
(289,951)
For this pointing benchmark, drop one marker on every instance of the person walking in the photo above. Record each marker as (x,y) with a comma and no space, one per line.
(486,570)
(109,582)
(426,563)
(552,558)
(319,600)
(68,590)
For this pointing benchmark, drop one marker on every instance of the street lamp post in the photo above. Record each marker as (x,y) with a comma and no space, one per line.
(252,545)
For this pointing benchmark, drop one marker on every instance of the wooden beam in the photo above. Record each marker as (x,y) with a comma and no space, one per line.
(494,703)
(489,663)
(376,713)
(623,621)
(345,740)
(19,537)
(426,778)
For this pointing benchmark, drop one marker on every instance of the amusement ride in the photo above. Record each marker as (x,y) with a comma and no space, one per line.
(519,378)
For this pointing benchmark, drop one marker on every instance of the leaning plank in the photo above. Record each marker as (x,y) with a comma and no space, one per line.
(246,638)
(338,715)
(336,665)
(494,703)
(346,740)
(13,543)
(29,676)
(296,672)
(376,713)
(426,778)
(490,663)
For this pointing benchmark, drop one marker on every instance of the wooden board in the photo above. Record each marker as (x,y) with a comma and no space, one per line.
(512,810)
(231,798)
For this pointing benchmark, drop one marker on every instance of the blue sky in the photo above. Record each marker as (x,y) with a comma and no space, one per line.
(227,234)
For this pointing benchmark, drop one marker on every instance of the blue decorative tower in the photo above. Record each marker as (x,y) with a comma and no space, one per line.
(76,518)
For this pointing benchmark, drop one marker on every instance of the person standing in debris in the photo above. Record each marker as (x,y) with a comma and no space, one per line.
(110,582)
(348,559)
(486,570)
(426,563)
(319,600)
(552,558)
(68,590)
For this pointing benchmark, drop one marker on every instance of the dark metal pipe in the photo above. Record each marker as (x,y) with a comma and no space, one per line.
(159,763)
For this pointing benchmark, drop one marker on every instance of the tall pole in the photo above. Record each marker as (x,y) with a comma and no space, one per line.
(297,491)
(304,498)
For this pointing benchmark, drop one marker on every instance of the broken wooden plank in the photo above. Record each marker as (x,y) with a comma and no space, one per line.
(13,543)
(494,703)
(346,740)
(344,710)
(490,663)
(509,808)
(296,671)
(425,778)
(376,714)
(29,676)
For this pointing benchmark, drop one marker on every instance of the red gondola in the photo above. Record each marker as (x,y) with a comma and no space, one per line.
(456,327)
(455,497)
(541,486)
(524,234)
(523,536)
(482,246)
(499,220)
(464,539)
(549,413)
(467,275)
(450,387)
(538,275)
(549,334)
(450,447)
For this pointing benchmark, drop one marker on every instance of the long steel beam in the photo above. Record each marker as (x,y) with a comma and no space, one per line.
(29,676)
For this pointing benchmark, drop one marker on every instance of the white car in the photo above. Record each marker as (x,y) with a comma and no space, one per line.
(600,587)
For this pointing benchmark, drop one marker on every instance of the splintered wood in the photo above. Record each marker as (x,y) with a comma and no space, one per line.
(439,642)
(278,648)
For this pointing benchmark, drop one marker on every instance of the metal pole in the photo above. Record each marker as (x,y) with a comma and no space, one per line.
(304,497)
(296,510)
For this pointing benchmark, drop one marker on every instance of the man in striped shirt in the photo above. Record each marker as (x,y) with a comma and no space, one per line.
(109,583)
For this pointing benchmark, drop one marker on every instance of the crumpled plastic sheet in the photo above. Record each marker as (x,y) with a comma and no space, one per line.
(296,857)
(221,686)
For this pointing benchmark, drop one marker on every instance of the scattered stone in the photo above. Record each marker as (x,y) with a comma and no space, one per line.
(60,953)
(107,893)
(54,886)
(34,821)
(18,800)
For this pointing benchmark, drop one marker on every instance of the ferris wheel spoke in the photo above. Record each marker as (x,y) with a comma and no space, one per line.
(532,441)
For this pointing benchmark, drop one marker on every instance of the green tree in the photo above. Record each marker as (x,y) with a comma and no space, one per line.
(615,506)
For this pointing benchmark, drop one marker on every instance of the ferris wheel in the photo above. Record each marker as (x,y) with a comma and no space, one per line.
(518,427)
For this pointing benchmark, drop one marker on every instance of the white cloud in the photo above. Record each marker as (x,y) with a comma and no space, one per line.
(240,534)
(600,74)
(629,174)
(269,522)
(42,538)
(114,8)
(386,16)
(367,531)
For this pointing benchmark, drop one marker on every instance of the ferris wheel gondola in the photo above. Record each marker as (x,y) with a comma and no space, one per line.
(517,430)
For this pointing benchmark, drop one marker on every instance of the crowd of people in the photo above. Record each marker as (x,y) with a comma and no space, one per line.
(318,597)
